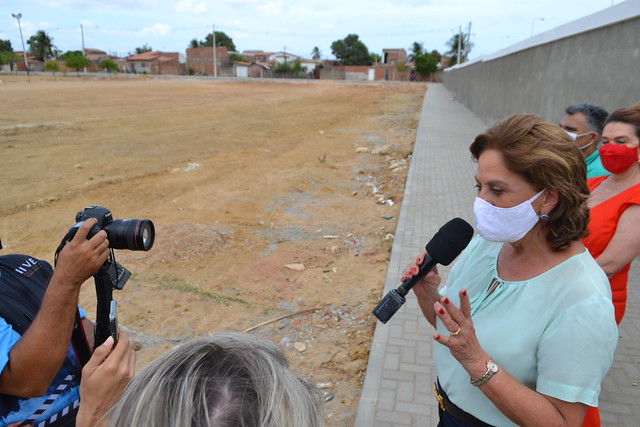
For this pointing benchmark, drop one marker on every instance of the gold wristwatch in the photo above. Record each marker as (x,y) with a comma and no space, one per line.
(492,368)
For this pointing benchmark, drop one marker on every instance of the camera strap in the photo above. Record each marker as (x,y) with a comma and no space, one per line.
(79,341)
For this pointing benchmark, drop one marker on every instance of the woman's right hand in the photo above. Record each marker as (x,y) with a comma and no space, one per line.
(429,283)
(426,289)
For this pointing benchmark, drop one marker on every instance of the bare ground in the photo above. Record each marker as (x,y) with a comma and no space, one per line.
(264,200)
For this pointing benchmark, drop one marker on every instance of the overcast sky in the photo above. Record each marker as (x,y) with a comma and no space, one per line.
(297,26)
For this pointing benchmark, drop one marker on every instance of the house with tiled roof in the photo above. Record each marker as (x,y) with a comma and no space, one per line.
(156,62)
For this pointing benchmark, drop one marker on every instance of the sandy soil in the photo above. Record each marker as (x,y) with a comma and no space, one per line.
(266,197)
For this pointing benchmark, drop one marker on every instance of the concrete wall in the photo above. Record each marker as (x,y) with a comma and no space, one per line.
(595,59)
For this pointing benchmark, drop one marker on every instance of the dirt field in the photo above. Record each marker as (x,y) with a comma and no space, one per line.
(266,197)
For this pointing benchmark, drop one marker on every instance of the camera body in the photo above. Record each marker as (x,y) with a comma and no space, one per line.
(132,234)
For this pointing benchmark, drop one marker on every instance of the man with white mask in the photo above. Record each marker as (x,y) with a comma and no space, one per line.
(583,123)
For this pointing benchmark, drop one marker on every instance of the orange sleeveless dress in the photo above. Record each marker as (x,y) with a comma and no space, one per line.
(602,226)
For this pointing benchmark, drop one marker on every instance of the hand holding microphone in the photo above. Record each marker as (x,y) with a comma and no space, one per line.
(443,248)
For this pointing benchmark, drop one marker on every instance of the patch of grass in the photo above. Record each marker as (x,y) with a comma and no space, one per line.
(182,285)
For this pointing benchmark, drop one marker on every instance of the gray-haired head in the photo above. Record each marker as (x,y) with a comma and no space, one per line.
(594,114)
(224,380)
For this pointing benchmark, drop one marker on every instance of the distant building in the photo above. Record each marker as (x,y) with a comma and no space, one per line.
(34,64)
(200,61)
(256,55)
(96,56)
(394,56)
(155,62)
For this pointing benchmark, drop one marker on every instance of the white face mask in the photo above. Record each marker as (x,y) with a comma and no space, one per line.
(505,224)
(575,136)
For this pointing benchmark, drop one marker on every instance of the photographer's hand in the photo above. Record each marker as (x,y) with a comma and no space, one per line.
(81,258)
(28,373)
(104,378)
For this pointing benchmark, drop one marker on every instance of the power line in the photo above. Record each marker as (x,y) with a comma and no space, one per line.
(241,30)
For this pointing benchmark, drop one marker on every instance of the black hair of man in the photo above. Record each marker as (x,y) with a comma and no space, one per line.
(595,115)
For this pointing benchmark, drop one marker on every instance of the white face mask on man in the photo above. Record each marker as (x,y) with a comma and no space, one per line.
(505,224)
(575,136)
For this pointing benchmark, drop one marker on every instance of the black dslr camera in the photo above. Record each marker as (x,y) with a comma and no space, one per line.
(132,234)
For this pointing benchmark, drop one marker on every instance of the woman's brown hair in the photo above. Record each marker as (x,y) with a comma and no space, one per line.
(544,155)
(629,115)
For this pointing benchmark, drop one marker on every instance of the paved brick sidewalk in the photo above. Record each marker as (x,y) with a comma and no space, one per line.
(440,186)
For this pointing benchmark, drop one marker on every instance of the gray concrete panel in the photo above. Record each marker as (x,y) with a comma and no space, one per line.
(600,66)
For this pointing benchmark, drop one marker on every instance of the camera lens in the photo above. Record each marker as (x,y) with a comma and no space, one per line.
(132,234)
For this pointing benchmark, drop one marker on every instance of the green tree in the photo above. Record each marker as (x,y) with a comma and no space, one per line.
(221,40)
(75,59)
(143,49)
(376,58)
(236,57)
(460,42)
(437,55)
(7,57)
(351,51)
(5,46)
(294,67)
(282,67)
(425,63)
(316,53)
(41,45)
(52,66)
(416,49)
(109,65)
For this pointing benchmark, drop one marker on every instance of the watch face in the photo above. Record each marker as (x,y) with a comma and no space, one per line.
(492,367)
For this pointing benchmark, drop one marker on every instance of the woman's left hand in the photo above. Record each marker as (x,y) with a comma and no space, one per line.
(462,340)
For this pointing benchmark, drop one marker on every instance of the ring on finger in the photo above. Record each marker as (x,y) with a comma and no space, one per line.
(456,332)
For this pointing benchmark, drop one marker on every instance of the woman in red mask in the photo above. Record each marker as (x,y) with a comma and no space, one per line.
(614,235)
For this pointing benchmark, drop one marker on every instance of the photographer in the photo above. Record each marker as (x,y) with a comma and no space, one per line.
(40,377)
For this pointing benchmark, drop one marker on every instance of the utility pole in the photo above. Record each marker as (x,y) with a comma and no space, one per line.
(459,42)
(24,51)
(215,65)
(83,53)
(467,46)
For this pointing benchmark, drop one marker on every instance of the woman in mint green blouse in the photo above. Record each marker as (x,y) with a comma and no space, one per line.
(525,323)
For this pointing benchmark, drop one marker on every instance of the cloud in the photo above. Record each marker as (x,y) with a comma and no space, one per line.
(271,9)
(157,30)
(189,6)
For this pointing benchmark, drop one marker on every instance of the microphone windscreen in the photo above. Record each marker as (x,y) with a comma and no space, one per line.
(449,241)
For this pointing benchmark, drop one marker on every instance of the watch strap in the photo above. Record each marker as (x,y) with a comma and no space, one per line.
(492,368)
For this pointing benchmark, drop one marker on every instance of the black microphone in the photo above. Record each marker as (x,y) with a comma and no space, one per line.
(443,248)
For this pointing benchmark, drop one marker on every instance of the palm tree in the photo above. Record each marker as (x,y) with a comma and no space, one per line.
(316,53)
(461,42)
(41,45)
(416,50)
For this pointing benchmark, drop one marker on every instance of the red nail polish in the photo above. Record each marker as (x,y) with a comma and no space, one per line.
(446,300)
(437,336)
(464,292)
(441,311)
(414,271)
(402,279)
(418,260)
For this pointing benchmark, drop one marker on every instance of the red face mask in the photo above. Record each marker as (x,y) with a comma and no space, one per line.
(617,158)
